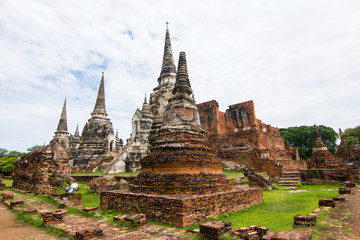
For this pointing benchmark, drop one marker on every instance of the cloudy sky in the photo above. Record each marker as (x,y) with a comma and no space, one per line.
(298,60)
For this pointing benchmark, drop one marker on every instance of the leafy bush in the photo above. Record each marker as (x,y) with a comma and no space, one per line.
(7,164)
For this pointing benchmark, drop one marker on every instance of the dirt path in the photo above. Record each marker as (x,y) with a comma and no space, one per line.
(344,222)
(12,230)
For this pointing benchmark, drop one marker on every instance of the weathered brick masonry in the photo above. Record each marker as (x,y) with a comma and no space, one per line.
(181,210)
(237,136)
(40,171)
(181,181)
(323,167)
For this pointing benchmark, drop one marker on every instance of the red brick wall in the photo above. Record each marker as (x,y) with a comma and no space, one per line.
(238,136)
(181,210)
(261,136)
(250,110)
(212,120)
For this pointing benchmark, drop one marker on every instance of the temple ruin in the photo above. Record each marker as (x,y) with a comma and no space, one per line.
(181,181)
(146,122)
(41,170)
(44,169)
(239,138)
(137,146)
(97,145)
(323,167)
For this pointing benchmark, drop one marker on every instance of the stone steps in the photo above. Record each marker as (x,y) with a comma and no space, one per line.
(289,179)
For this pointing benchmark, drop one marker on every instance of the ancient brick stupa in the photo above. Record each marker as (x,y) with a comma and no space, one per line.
(321,156)
(181,161)
(181,181)
(44,169)
(97,146)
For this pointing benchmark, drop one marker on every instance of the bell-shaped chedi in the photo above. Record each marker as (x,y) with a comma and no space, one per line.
(321,156)
(181,181)
(62,130)
(181,161)
(168,69)
(97,145)
(163,92)
(42,170)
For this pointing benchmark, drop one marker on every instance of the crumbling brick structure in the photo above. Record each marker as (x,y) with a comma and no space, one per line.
(89,233)
(321,156)
(181,181)
(324,167)
(214,230)
(42,170)
(237,136)
(349,154)
(101,184)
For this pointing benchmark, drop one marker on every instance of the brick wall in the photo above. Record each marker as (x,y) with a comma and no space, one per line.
(239,137)
(181,210)
(41,170)
(325,175)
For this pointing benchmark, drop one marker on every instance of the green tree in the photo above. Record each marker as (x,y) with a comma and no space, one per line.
(303,137)
(7,159)
(14,154)
(33,148)
(7,163)
(351,136)
(3,152)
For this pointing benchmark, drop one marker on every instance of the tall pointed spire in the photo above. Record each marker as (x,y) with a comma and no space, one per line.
(62,129)
(145,111)
(99,109)
(340,135)
(317,133)
(62,126)
(182,83)
(76,134)
(145,100)
(168,68)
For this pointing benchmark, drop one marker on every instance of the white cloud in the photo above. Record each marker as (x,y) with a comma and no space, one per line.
(298,60)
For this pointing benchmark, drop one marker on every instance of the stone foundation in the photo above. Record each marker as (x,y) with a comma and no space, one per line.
(181,210)
(324,175)
(74,198)
(214,230)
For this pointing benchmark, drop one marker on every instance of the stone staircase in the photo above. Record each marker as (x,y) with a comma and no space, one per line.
(289,178)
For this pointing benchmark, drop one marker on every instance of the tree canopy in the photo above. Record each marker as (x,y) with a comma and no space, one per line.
(33,148)
(351,136)
(303,137)
(7,159)
(3,152)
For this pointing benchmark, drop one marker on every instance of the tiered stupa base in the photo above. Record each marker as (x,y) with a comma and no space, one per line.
(181,181)
(181,210)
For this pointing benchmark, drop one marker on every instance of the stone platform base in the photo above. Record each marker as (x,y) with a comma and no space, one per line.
(181,210)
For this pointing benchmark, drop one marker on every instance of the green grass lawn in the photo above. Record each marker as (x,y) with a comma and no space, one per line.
(89,198)
(276,212)
(125,174)
(8,182)
(233,174)
(82,173)
(279,207)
